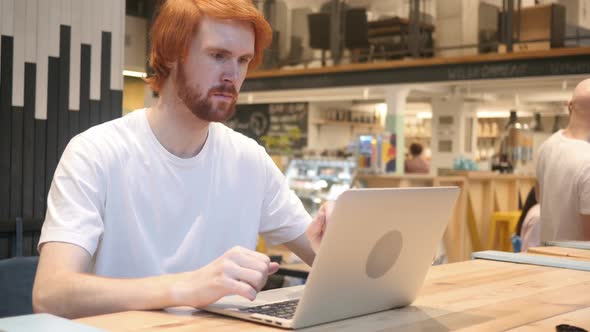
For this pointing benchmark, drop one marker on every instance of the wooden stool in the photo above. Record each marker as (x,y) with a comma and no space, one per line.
(504,223)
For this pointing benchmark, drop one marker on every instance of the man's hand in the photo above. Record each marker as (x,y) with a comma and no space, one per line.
(238,272)
(315,231)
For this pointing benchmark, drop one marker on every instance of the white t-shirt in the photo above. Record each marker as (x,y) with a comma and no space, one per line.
(563,172)
(141,211)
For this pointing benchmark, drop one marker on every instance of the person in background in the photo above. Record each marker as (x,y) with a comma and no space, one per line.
(417,164)
(529,223)
(563,174)
(163,207)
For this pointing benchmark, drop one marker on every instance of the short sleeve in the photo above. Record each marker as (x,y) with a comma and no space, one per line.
(76,200)
(584,190)
(283,216)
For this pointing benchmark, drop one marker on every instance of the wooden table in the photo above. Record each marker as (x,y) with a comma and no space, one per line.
(477,295)
(570,253)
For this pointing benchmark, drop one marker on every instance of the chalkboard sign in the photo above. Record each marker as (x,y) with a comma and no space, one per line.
(280,128)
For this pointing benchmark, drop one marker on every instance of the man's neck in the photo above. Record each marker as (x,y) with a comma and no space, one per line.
(578,129)
(176,127)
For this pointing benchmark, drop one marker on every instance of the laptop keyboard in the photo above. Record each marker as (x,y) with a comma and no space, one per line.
(284,310)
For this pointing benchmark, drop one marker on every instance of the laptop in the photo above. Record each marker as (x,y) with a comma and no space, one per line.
(374,256)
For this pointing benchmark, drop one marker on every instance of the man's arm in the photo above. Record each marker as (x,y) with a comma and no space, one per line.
(302,248)
(63,286)
(306,246)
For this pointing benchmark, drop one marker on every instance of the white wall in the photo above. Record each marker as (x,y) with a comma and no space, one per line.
(577,12)
(135,43)
(450,26)
(283,25)
(462,113)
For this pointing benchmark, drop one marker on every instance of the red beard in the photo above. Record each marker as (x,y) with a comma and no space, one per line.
(202,107)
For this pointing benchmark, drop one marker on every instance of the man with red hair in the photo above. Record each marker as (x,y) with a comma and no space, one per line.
(151,210)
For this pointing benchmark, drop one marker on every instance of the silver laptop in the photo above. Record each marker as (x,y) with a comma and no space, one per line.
(374,256)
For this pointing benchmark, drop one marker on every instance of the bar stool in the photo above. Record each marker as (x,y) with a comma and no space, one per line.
(503,225)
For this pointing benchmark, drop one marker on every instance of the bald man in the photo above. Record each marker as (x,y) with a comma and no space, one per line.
(563,174)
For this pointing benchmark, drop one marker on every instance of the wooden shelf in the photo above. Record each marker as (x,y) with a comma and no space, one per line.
(370,126)
(429,137)
(395,64)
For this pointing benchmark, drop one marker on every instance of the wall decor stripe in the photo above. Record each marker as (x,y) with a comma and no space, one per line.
(61,65)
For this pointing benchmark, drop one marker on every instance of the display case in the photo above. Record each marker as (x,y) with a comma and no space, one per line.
(317,180)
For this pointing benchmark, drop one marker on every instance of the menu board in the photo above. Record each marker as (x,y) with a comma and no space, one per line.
(280,128)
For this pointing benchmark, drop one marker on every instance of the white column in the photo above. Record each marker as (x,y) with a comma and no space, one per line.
(18,60)
(117,44)
(75,45)
(96,50)
(54,22)
(43,37)
(454,124)
(395,98)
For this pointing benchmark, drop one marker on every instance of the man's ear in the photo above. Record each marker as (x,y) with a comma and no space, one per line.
(570,107)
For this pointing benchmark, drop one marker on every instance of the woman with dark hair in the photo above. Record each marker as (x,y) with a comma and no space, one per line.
(529,227)
(417,164)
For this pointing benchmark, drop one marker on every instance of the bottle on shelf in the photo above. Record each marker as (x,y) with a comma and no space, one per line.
(556,124)
(516,144)
(537,125)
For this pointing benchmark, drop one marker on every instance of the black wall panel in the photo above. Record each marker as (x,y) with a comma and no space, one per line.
(16,163)
(63,123)
(29,140)
(105,78)
(94,112)
(40,169)
(74,127)
(84,116)
(5,123)
(116,103)
(52,120)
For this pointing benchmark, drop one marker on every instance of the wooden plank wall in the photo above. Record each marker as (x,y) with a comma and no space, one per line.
(61,65)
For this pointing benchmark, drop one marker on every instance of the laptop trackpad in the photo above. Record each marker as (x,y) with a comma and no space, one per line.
(270,296)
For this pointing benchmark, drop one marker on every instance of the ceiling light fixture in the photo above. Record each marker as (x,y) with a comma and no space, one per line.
(133,73)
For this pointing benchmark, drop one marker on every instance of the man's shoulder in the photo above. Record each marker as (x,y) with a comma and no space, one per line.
(564,154)
(550,146)
(555,138)
(111,135)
